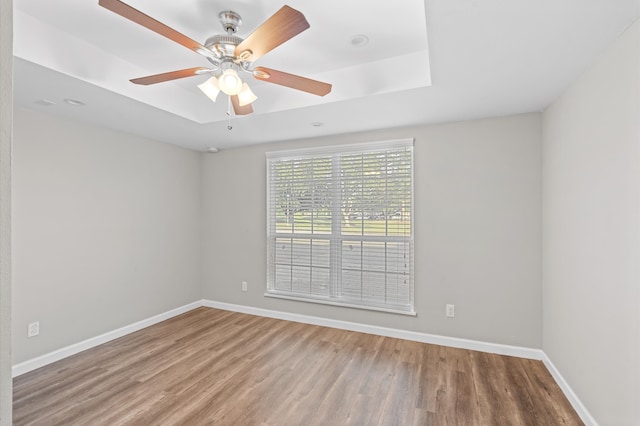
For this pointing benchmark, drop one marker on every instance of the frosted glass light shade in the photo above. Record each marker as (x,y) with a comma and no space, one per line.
(210,88)
(246,96)
(229,82)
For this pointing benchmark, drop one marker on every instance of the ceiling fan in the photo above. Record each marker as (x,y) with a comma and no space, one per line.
(230,54)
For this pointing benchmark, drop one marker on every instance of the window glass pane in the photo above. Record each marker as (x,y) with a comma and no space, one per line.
(351,284)
(397,289)
(352,255)
(320,281)
(283,251)
(398,256)
(301,252)
(374,290)
(301,195)
(376,190)
(373,256)
(320,253)
(283,277)
(300,279)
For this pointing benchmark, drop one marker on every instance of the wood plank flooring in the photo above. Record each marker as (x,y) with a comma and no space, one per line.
(217,367)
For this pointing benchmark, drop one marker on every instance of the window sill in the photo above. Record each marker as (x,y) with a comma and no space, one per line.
(343,304)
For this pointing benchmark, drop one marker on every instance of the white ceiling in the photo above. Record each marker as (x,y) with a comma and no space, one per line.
(427,61)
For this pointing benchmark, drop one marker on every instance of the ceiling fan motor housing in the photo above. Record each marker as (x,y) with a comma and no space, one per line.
(223,45)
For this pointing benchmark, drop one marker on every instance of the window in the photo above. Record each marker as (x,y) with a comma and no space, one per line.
(339,225)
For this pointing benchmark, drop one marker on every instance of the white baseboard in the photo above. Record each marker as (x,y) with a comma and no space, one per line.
(575,402)
(41,361)
(434,339)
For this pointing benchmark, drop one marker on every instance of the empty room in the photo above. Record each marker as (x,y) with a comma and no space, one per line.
(239,212)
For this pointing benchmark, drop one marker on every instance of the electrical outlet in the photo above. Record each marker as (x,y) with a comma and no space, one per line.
(33,329)
(244,286)
(450,311)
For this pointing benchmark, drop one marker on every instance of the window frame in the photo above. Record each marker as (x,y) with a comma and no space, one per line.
(335,237)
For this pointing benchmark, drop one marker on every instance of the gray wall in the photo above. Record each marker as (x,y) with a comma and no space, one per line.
(477,230)
(591,217)
(106,230)
(6,113)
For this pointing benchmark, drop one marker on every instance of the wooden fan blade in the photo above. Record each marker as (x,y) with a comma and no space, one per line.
(286,23)
(173,75)
(291,80)
(138,17)
(240,110)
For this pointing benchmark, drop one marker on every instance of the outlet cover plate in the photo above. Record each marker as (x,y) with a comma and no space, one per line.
(450,311)
(33,329)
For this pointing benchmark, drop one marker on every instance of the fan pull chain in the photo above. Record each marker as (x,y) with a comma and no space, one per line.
(229,127)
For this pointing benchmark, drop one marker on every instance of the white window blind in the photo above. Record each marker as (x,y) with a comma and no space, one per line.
(339,225)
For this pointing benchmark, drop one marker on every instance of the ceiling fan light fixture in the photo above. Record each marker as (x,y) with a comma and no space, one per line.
(210,88)
(229,82)
(246,96)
